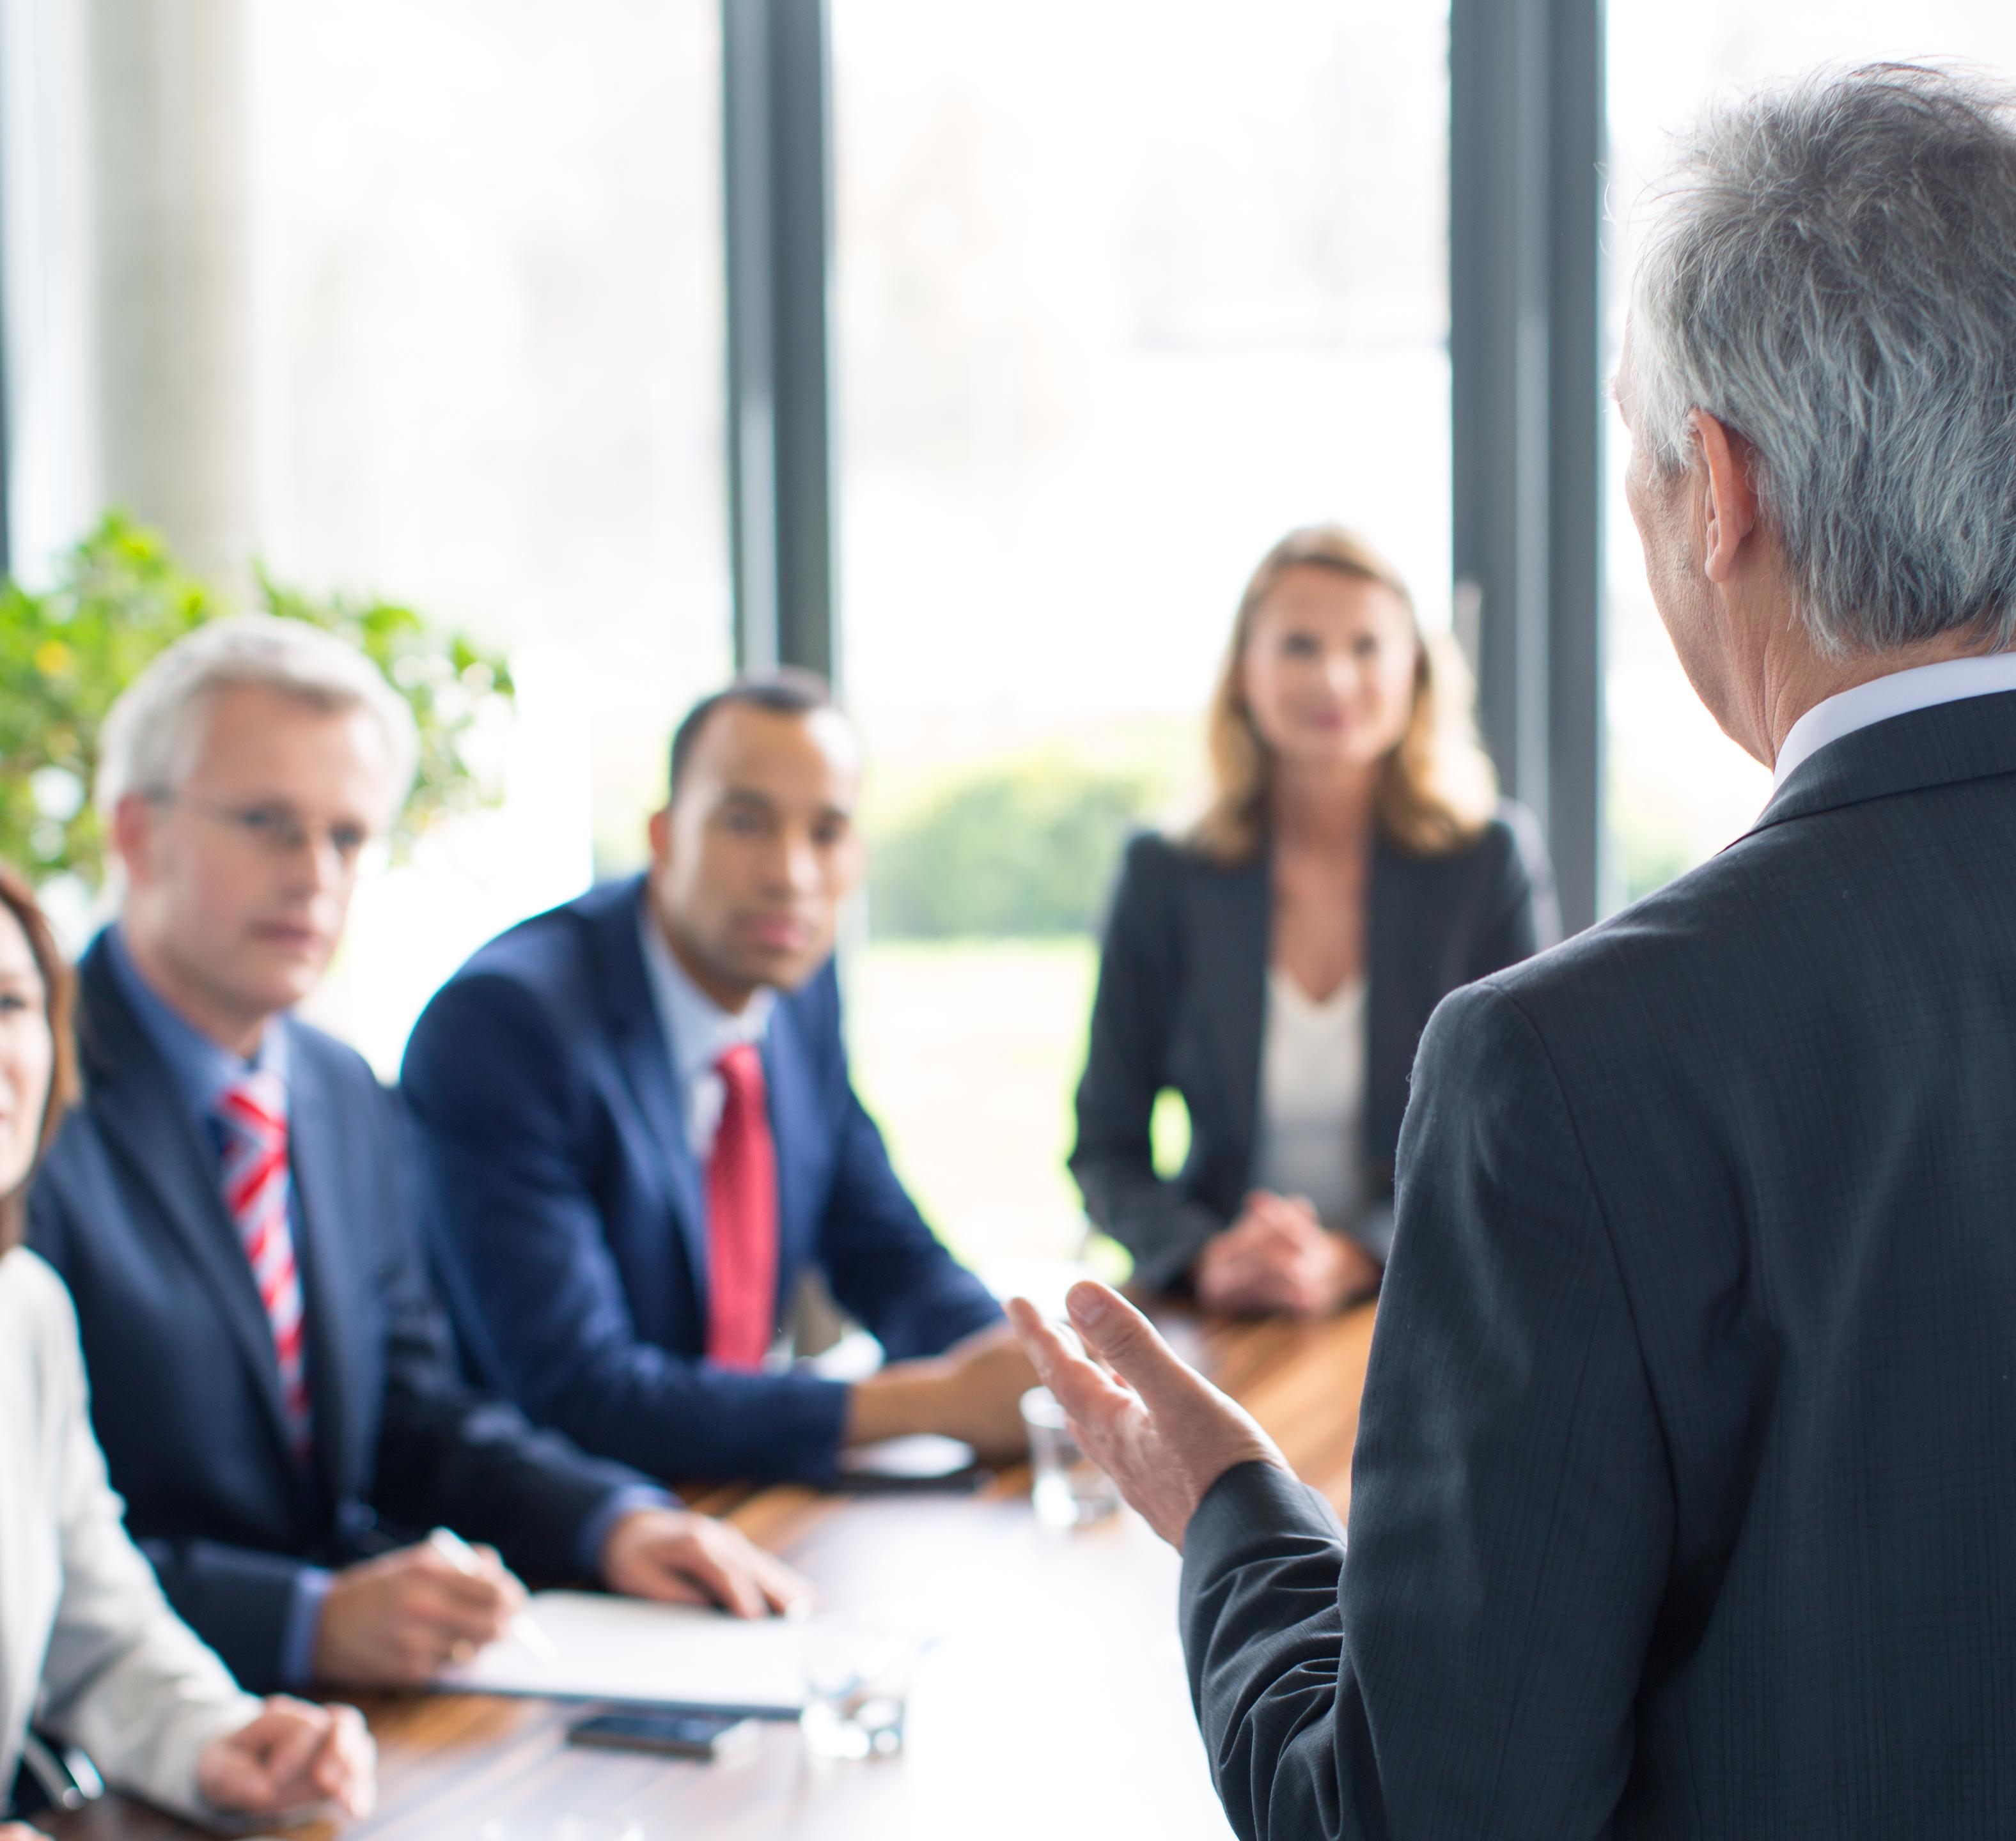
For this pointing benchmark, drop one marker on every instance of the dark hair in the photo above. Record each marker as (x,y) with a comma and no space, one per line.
(785,692)
(19,900)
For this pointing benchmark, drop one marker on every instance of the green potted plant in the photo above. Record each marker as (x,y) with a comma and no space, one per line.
(119,597)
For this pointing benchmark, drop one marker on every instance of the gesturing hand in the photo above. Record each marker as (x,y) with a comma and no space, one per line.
(1153,1425)
(293,1755)
(677,1557)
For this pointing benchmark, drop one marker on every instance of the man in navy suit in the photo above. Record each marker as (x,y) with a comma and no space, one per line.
(233,1209)
(640,1131)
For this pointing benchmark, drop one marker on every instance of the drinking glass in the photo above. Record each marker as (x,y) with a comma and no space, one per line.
(1068,1489)
(857,1688)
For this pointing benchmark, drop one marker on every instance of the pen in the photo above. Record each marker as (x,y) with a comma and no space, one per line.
(458,1554)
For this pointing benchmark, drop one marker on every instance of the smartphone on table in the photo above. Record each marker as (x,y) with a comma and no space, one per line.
(662,1729)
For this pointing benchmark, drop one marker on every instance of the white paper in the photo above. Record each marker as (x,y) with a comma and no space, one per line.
(621,1649)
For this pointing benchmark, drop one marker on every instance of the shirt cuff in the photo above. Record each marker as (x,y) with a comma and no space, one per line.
(595,1530)
(297,1635)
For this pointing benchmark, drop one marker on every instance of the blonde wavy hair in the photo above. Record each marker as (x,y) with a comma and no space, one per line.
(1437,788)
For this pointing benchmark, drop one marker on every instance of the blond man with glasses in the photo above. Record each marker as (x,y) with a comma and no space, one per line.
(232,1207)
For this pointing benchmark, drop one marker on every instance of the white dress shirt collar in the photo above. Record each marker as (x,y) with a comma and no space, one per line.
(697,1031)
(1898,694)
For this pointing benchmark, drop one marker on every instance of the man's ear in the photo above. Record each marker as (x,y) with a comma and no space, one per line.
(659,830)
(1731,507)
(132,832)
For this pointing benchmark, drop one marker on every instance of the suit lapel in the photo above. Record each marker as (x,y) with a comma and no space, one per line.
(1972,739)
(789,1085)
(321,1179)
(1389,1039)
(1232,949)
(132,1100)
(646,1057)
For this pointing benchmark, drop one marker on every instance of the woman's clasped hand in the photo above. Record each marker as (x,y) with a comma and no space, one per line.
(1278,1256)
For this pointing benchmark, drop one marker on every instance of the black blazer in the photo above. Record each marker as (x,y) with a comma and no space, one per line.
(1684,1501)
(185,1388)
(1182,1003)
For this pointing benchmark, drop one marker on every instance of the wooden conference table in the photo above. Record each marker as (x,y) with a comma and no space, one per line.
(1055,1699)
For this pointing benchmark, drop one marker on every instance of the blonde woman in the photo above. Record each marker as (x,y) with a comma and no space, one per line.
(1276,966)
(86,1641)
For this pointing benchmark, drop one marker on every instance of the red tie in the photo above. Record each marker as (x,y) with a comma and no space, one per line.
(742,1216)
(254,1115)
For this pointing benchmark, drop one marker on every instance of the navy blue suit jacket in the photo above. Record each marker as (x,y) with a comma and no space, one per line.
(570,1212)
(185,1388)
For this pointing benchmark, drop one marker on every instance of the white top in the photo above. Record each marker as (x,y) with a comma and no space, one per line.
(697,1031)
(1897,694)
(85,1634)
(1313,1097)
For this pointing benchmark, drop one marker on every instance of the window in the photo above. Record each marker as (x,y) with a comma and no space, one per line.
(1124,292)
(490,252)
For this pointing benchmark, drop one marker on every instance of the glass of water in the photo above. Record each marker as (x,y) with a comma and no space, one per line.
(1069,1489)
(857,1688)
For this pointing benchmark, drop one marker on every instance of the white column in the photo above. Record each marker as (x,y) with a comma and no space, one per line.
(46,310)
(174,365)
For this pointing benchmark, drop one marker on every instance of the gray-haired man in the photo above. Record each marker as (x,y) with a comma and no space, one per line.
(233,1210)
(1684,1501)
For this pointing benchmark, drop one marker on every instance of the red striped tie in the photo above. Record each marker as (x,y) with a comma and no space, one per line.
(256,1188)
(742,1216)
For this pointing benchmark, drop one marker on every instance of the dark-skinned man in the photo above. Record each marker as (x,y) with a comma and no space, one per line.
(640,1131)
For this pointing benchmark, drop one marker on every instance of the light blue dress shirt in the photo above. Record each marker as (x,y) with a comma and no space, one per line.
(202,1070)
(697,1031)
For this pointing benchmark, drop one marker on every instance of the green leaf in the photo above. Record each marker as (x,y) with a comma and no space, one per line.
(120,598)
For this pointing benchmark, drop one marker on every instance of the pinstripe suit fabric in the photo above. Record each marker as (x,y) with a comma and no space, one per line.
(1684,1498)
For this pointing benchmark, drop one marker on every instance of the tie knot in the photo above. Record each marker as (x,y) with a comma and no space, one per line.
(741,1071)
(256,1105)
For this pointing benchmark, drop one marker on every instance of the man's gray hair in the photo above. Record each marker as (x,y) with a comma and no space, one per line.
(1834,278)
(153,734)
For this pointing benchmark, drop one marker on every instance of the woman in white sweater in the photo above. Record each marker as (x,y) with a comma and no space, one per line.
(88,1646)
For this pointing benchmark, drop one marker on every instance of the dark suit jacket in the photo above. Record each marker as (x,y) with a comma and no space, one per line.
(184,1387)
(571,1213)
(1684,1502)
(1182,1003)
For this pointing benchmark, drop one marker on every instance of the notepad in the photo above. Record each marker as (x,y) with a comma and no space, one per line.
(621,1649)
(922,1461)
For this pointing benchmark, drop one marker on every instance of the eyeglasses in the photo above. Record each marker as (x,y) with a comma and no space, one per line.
(277,831)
